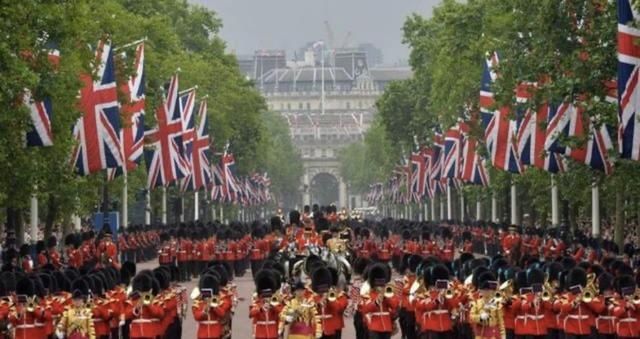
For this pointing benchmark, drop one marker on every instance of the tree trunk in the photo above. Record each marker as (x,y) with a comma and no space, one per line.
(15,223)
(52,214)
(618,231)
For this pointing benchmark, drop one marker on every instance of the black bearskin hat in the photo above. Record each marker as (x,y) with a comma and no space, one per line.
(485,280)
(52,242)
(210,281)
(413,262)
(378,275)
(438,272)
(79,289)
(40,246)
(535,276)
(25,250)
(605,282)
(577,276)
(265,283)
(625,284)
(321,280)
(142,283)
(70,240)
(25,286)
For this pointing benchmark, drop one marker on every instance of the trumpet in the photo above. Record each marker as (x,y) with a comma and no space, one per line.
(214,302)
(332,295)
(636,298)
(388,291)
(448,294)
(31,304)
(147,298)
(274,301)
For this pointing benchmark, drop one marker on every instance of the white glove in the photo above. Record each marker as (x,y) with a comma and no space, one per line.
(59,334)
(484,316)
(288,318)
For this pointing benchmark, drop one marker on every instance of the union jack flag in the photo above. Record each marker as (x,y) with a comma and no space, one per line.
(200,175)
(452,152)
(435,166)
(97,131)
(166,162)
(230,187)
(216,183)
(473,166)
(532,133)
(41,112)
(418,174)
(500,130)
(132,134)
(569,121)
(628,89)
(187,103)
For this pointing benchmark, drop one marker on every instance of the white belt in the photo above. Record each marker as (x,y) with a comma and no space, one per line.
(209,322)
(379,313)
(270,322)
(606,317)
(26,326)
(135,321)
(437,312)
(324,316)
(577,317)
(532,316)
(628,320)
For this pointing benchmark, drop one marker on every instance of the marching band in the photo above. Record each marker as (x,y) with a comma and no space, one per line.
(319,272)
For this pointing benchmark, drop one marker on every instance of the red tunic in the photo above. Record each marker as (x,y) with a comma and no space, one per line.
(210,322)
(379,318)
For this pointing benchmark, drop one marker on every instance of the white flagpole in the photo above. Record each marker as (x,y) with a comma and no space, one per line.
(478,209)
(196,208)
(449,207)
(164,205)
(147,207)
(124,219)
(34,216)
(494,208)
(441,207)
(595,209)
(426,211)
(433,209)
(514,204)
(461,205)
(555,215)
(181,208)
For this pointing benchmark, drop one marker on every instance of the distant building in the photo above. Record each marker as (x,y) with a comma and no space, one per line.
(374,54)
(321,124)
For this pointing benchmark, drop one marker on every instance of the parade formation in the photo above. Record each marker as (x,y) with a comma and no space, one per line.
(321,271)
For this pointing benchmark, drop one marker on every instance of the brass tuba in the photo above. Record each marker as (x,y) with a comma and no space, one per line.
(591,290)
(389,291)
(147,298)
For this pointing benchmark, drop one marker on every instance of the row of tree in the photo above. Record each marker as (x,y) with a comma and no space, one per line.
(178,36)
(569,43)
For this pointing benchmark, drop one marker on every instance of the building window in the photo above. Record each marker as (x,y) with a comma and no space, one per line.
(348,105)
(299,105)
(308,106)
(288,106)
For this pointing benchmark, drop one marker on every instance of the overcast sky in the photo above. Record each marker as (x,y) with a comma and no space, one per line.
(289,24)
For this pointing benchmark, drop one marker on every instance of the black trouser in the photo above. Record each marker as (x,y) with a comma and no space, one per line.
(237,268)
(183,268)
(553,333)
(437,335)
(256,265)
(408,324)
(324,336)
(509,334)
(531,336)
(464,331)
(358,325)
(379,335)
(338,334)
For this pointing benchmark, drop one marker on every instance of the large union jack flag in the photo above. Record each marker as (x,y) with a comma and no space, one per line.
(97,131)
(532,133)
(166,162)
(473,167)
(230,188)
(200,175)
(132,135)
(628,89)
(418,175)
(590,147)
(41,113)
(187,104)
(499,129)
(452,153)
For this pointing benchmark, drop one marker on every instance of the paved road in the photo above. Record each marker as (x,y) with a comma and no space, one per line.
(242,327)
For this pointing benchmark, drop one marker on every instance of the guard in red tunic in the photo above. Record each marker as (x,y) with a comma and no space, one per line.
(407,315)
(41,252)
(107,249)
(256,254)
(54,255)
(209,309)
(184,254)
(511,245)
(380,306)
(25,258)
(448,251)
(627,309)
(530,308)
(579,312)
(73,253)
(266,306)
(607,320)
(434,309)
(26,315)
(143,310)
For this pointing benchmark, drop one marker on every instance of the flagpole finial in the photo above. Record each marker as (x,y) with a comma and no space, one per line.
(195,87)
(178,70)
